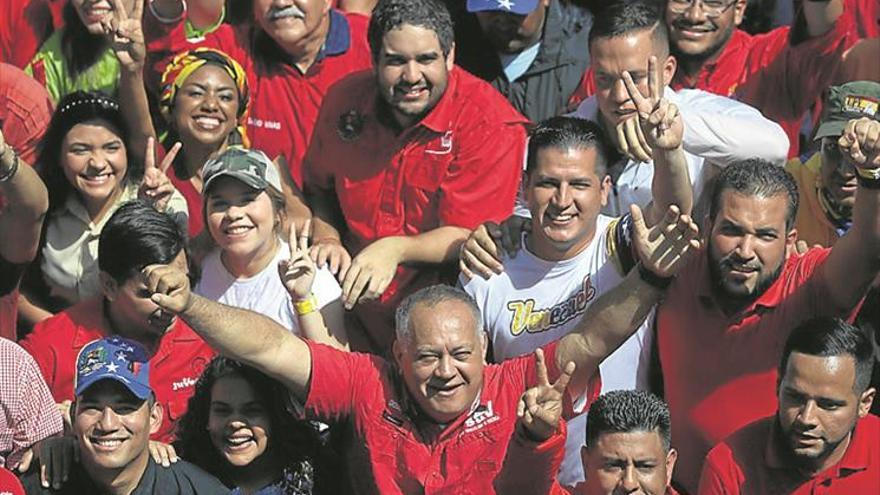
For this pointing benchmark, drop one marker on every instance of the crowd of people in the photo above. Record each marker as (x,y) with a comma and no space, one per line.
(549,247)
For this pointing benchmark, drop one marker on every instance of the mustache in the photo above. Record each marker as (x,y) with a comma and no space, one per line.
(684,24)
(276,13)
(734,261)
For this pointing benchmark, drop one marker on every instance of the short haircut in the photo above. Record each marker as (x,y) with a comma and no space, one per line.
(756,177)
(828,337)
(392,14)
(432,296)
(626,17)
(135,236)
(569,132)
(626,411)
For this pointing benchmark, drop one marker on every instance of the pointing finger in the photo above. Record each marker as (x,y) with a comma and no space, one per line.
(304,235)
(170,156)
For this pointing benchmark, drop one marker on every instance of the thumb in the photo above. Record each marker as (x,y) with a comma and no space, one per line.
(166,302)
(639,226)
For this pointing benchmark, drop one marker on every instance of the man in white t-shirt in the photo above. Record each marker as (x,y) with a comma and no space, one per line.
(573,254)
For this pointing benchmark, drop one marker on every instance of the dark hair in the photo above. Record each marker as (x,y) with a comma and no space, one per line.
(80,48)
(295,440)
(756,177)
(76,108)
(569,132)
(137,235)
(428,14)
(624,411)
(625,17)
(828,337)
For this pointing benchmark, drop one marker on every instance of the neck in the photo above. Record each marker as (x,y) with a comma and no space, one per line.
(196,153)
(121,481)
(545,249)
(262,472)
(248,266)
(98,208)
(305,51)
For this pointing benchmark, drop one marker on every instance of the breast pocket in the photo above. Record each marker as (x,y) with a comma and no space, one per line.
(423,178)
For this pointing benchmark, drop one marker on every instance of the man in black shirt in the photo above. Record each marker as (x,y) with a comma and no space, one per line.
(113,415)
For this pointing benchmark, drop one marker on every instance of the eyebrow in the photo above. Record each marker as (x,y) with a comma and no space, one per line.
(202,86)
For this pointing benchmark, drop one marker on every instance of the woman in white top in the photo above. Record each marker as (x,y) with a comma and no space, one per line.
(244,213)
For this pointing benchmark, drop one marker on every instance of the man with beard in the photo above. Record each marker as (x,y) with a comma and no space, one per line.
(532,51)
(135,236)
(821,439)
(725,318)
(403,162)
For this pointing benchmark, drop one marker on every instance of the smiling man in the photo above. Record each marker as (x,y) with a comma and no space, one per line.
(113,415)
(822,438)
(403,162)
(725,319)
(135,236)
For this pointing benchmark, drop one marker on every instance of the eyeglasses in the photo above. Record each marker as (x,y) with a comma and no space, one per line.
(712,8)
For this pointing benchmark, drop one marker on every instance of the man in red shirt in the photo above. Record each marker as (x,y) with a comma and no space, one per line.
(404,161)
(722,325)
(23,204)
(294,53)
(436,418)
(822,438)
(135,236)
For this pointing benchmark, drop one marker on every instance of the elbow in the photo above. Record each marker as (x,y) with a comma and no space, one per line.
(773,145)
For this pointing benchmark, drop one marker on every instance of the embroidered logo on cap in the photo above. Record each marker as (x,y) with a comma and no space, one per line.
(505,4)
(861,104)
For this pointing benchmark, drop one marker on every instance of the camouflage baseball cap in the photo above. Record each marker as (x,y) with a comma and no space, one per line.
(852,100)
(252,167)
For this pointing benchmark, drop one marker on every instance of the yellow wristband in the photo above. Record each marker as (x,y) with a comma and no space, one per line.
(306,306)
(869,173)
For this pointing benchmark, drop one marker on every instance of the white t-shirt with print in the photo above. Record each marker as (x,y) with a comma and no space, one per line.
(534,302)
(263,293)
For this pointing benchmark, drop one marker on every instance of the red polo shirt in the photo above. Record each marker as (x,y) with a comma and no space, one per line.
(749,461)
(284,101)
(719,371)
(459,166)
(174,368)
(390,454)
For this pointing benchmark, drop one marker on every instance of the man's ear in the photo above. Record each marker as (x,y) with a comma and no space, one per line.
(790,241)
(109,286)
(450,59)
(605,190)
(156,414)
(398,349)
(866,400)
(739,11)
(484,341)
(668,69)
(671,457)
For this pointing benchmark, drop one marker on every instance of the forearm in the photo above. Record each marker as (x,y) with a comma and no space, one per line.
(327,220)
(821,16)
(326,326)
(26,204)
(137,112)
(606,324)
(671,184)
(440,245)
(252,339)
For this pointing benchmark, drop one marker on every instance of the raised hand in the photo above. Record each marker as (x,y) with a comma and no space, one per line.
(169,286)
(657,123)
(860,142)
(155,186)
(663,248)
(331,252)
(126,35)
(481,252)
(298,272)
(540,407)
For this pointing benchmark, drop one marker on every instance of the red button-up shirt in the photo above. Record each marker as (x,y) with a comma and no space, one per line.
(749,461)
(712,362)
(389,453)
(174,368)
(460,166)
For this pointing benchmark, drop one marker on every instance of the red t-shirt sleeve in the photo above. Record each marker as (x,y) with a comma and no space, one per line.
(337,380)
(483,179)
(531,468)
(721,475)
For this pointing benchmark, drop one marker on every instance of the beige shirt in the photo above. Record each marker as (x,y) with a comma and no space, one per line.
(70,255)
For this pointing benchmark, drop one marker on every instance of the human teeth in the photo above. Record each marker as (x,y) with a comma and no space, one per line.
(107,443)
(238,441)
(237,230)
(208,122)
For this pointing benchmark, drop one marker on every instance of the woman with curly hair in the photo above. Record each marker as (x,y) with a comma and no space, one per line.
(237,428)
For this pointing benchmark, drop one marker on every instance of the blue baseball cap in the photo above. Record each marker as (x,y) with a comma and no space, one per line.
(520,7)
(113,358)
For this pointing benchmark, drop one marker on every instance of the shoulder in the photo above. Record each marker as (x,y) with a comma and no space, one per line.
(12,353)
(478,100)
(58,328)
(183,475)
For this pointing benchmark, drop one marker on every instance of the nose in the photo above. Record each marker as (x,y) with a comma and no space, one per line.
(619,92)
(109,420)
(629,482)
(746,247)
(411,72)
(562,198)
(233,212)
(807,415)
(445,369)
(694,13)
(209,102)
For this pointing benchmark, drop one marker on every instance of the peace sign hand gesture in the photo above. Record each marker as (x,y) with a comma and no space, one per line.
(659,122)
(156,187)
(298,273)
(126,35)
(540,407)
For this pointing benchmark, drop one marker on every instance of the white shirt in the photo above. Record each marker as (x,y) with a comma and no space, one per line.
(263,293)
(717,130)
(534,302)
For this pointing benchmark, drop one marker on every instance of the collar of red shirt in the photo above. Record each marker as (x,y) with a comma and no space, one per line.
(93,319)
(769,299)
(856,458)
(338,36)
(737,42)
